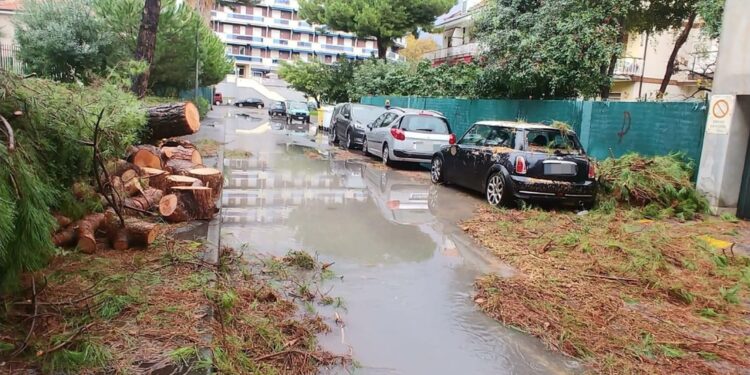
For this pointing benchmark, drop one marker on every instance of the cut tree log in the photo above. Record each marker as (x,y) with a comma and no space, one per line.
(178,166)
(198,200)
(126,189)
(181,153)
(157,178)
(135,233)
(119,167)
(174,142)
(62,221)
(145,156)
(174,210)
(65,237)
(129,175)
(210,177)
(177,180)
(173,120)
(86,232)
(145,202)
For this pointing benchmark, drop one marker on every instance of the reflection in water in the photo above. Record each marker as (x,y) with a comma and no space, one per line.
(407,269)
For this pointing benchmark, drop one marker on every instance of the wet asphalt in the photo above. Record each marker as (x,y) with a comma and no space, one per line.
(405,267)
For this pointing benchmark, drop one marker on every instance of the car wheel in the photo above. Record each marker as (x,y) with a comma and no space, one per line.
(349,141)
(497,190)
(239,105)
(334,136)
(260,106)
(364,146)
(386,156)
(436,170)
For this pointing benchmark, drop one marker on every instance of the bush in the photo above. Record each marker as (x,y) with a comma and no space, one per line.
(662,185)
(203,106)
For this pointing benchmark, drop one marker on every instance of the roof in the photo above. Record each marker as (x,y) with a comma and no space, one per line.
(517,125)
(414,111)
(10,5)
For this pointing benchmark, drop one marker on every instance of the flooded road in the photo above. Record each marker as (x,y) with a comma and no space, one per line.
(406,270)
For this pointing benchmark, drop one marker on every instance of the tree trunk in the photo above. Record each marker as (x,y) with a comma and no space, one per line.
(177,166)
(149,199)
(157,178)
(382,48)
(146,44)
(174,210)
(198,200)
(681,39)
(86,232)
(178,180)
(173,120)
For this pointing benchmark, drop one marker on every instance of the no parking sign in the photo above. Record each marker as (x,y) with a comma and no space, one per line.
(720,114)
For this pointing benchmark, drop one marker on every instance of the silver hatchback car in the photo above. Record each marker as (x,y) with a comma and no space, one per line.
(407,135)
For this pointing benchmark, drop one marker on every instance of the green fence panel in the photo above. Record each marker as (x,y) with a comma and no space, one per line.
(647,128)
(605,128)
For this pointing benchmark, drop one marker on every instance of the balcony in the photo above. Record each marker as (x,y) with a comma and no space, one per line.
(627,67)
(463,50)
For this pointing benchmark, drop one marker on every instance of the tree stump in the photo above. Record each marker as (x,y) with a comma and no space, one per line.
(210,177)
(181,153)
(157,178)
(86,232)
(140,233)
(198,200)
(145,156)
(173,120)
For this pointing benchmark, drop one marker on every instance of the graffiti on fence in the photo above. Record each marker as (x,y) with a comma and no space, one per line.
(626,122)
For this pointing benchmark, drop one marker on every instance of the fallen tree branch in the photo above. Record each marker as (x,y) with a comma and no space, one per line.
(25,343)
(11,136)
(613,278)
(289,351)
(66,342)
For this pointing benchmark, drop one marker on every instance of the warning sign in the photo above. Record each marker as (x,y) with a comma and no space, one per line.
(720,114)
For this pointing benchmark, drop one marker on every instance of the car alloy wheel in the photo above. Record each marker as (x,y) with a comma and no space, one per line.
(334,137)
(364,146)
(260,106)
(496,190)
(436,171)
(386,156)
(239,105)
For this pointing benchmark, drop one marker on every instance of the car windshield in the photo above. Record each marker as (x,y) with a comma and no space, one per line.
(252,100)
(425,124)
(278,105)
(298,106)
(553,141)
(490,136)
(366,115)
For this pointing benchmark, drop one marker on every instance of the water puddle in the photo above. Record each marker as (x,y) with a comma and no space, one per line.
(406,270)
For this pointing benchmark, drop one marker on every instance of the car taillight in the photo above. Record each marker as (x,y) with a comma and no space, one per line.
(520,165)
(398,134)
(452,139)
(393,205)
(592,170)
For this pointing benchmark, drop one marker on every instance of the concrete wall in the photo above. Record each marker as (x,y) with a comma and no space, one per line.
(733,67)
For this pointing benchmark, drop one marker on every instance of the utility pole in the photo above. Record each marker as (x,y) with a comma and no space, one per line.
(643,66)
(197,50)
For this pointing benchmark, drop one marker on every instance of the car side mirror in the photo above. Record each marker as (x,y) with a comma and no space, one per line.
(347,116)
(369,126)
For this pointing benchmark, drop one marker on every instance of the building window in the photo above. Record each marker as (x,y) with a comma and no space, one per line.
(329,59)
(340,41)
(286,15)
(284,55)
(265,12)
(286,34)
(329,39)
(296,36)
(311,38)
(241,71)
(295,56)
(249,10)
(235,29)
(241,51)
(361,43)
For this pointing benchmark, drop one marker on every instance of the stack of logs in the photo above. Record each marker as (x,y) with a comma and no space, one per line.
(167,179)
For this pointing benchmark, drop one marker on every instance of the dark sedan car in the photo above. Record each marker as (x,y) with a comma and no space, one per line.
(349,122)
(508,160)
(277,109)
(250,102)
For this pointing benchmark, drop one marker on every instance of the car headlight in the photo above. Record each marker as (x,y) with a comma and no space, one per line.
(359,126)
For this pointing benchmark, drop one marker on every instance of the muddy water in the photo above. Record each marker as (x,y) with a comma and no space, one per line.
(406,269)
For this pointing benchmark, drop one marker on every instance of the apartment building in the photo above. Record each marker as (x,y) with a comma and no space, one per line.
(640,70)
(458,42)
(260,37)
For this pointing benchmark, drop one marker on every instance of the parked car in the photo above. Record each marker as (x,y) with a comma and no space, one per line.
(349,123)
(218,98)
(407,135)
(297,111)
(277,109)
(250,102)
(509,160)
